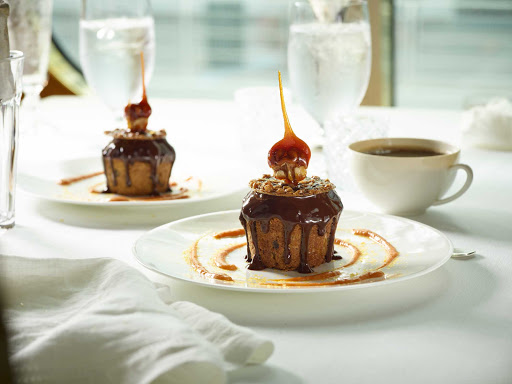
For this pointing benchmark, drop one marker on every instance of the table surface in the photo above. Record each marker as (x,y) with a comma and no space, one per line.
(452,325)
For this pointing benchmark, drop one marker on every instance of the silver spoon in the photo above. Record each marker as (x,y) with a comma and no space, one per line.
(461,254)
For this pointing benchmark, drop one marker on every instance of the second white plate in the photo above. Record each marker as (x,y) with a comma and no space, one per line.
(421,249)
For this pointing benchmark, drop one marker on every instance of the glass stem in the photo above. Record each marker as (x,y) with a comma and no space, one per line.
(119,121)
(319,137)
(318,150)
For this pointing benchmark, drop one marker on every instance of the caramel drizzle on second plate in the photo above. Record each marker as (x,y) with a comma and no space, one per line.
(72,180)
(390,250)
(220,257)
(192,255)
(310,280)
(182,194)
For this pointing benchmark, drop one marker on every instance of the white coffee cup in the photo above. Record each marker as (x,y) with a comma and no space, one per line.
(406,185)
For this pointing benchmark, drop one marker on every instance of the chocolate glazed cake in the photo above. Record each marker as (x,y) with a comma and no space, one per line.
(290,227)
(290,219)
(137,161)
(138,164)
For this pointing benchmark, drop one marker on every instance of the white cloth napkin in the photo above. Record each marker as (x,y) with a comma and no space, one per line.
(101,321)
(489,126)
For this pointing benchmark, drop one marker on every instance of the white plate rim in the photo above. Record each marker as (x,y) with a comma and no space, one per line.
(58,200)
(208,284)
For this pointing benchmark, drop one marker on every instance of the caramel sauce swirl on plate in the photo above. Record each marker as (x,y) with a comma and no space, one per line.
(333,277)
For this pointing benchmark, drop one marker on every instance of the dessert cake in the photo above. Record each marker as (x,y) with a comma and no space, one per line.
(290,219)
(138,161)
(138,164)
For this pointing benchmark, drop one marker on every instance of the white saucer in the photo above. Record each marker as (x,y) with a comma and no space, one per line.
(421,249)
(202,186)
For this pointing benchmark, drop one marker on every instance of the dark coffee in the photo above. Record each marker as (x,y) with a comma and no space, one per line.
(395,151)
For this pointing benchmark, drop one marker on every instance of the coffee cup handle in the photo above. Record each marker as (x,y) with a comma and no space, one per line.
(469,180)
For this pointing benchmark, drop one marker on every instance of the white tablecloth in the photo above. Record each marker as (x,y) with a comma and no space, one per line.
(452,325)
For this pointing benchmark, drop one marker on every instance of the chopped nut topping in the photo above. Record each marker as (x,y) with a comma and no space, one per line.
(131,135)
(138,124)
(290,171)
(309,186)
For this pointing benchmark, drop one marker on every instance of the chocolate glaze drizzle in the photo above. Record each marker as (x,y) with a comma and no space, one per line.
(305,211)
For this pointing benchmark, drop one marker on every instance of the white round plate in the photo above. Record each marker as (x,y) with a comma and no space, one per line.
(202,186)
(421,249)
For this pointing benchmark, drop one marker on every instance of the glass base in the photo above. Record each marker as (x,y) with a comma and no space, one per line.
(7,224)
(339,134)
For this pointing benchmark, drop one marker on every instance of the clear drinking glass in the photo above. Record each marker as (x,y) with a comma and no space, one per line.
(113,33)
(30,31)
(329,55)
(329,61)
(11,70)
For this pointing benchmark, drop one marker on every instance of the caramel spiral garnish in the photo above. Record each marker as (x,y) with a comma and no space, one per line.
(289,157)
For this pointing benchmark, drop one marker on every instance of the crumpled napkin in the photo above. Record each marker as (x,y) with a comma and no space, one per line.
(489,126)
(101,321)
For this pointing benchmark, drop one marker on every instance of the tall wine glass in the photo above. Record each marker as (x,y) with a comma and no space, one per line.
(113,33)
(30,31)
(329,55)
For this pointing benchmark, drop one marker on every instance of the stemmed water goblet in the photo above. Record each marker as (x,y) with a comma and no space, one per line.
(113,33)
(329,55)
(329,62)
(30,30)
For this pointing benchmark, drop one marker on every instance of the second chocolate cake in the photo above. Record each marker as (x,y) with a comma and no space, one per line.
(290,219)
(290,227)
(138,161)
